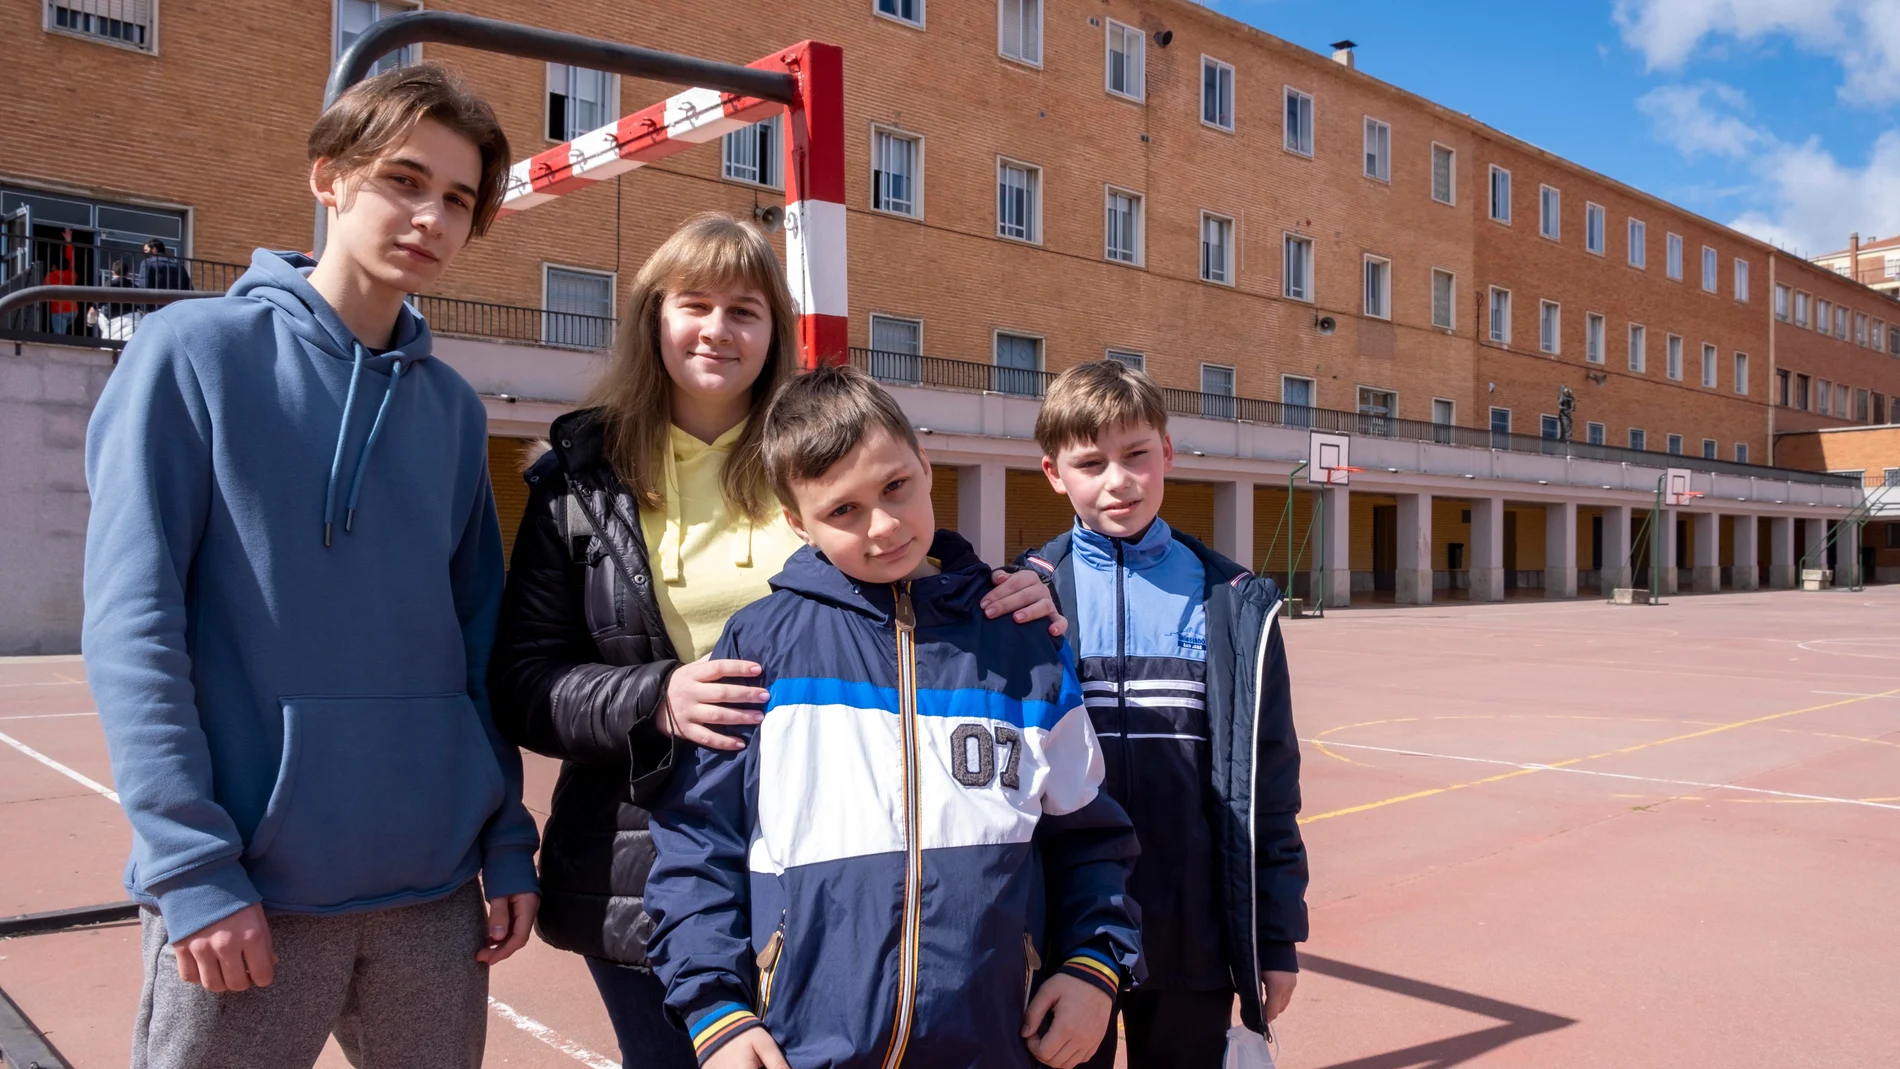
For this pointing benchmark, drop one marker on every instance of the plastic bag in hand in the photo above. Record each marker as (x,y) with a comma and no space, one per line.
(1247,1050)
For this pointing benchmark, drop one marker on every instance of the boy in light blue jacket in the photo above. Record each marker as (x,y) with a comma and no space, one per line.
(293,571)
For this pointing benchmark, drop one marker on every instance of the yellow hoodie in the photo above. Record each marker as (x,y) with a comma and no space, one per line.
(709,564)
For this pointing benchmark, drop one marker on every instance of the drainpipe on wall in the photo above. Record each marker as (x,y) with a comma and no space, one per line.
(1773,378)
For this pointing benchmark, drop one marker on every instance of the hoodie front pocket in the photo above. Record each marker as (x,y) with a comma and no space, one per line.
(376,798)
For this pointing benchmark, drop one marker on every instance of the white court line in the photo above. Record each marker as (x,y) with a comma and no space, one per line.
(551,1037)
(1853,694)
(50,683)
(1607,775)
(46,716)
(76,777)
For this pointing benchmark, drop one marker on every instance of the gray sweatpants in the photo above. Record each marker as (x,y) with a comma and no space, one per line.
(399,987)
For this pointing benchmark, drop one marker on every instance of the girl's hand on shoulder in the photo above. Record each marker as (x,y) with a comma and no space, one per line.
(698,698)
(1022,594)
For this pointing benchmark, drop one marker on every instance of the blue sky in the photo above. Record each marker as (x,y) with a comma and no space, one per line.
(1778,117)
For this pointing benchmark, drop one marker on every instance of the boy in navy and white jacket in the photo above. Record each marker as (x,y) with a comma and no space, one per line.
(863,885)
(1185,678)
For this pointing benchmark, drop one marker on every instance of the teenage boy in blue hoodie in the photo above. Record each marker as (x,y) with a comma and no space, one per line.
(293,570)
(1185,677)
(857,887)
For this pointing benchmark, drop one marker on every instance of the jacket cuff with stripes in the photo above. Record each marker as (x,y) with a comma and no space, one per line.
(715,1025)
(1095,967)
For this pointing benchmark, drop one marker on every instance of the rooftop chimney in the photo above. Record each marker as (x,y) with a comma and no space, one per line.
(1342,52)
(1853,257)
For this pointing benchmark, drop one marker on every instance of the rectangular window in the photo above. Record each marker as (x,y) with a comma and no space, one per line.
(1741,373)
(1378,150)
(1639,348)
(1299,122)
(1781,301)
(1500,316)
(1639,244)
(1675,445)
(1019,30)
(1018,207)
(1299,268)
(1550,205)
(1444,299)
(1444,412)
(579,102)
(1297,394)
(897,349)
(122,22)
(1877,335)
(1217,391)
(754,154)
(1672,265)
(1444,174)
(1862,404)
(1593,338)
(1823,316)
(1549,326)
(1638,439)
(352,18)
(1891,265)
(1123,227)
(1018,364)
(1217,249)
(1824,397)
(1548,428)
(1741,452)
(579,308)
(1800,309)
(1840,399)
(1672,365)
(1500,428)
(911,11)
(1708,449)
(1500,194)
(1127,67)
(1708,365)
(1893,341)
(1840,322)
(1593,433)
(1378,288)
(1127,358)
(1217,93)
(1709,270)
(1741,280)
(895,173)
(1860,329)
(1781,389)
(1593,226)
(1801,383)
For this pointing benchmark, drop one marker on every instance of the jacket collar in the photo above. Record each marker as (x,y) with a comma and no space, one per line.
(950,596)
(1098,550)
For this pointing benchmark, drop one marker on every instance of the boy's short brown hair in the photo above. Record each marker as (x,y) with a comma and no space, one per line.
(1090,397)
(377,114)
(819,417)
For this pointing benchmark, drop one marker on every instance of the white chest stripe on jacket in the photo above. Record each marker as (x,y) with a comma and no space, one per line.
(1253,800)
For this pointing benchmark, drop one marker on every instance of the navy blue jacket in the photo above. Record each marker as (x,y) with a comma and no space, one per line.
(862,878)
(1185,674)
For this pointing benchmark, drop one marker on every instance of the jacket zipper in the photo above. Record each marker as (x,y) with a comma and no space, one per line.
(768,965)
(905,620)
(1121,674)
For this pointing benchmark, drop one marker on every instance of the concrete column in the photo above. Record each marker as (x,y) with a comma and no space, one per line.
(1233,522)
(1706,530)
(1746,552)
(1487,548)
(1847,555)
(1616,548)
(1560,550)
(1414,580)
(1781,562)
(980,497)
(1664,544)
(1336,505)
(1813,556)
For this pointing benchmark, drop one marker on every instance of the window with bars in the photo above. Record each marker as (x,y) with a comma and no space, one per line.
(1444,299)
(579,308)
(1217,249)
(1444,174)
(1299,122)
(1298,268)
(1217,93)
(1127,66)
(754,155)
(1639,440)
(1123,226)
(1217,391)
(1018,361)
(895,181)
(122,22)
(1378,150)
(1593,433)
(897,349)
(1708,449)
(1127,358)
(911,11)
(1017,210)
(1674,445)
(1378,295)
(1019,30)
(1500,428)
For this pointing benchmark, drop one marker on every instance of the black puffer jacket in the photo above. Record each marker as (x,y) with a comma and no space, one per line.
(579,670)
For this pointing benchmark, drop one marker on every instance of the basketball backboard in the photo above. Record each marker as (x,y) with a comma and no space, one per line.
(1328,459)
(1676,490)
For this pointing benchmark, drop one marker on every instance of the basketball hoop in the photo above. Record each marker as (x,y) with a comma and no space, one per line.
(1349,470)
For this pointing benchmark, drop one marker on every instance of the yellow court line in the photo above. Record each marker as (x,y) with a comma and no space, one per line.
(1718,729)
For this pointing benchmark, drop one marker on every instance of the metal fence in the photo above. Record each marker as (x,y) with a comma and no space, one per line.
(41,262)
(507,322)
(910,370)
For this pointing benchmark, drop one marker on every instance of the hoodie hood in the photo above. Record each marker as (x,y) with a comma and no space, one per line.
(282,280)
(952,594)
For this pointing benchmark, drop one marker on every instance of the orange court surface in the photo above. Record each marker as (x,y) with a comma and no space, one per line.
(1552,835)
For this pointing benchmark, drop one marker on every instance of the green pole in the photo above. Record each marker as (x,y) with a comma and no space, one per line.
(1655,569)
(1291,559)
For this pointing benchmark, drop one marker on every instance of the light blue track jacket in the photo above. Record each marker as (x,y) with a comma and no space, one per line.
(293,571)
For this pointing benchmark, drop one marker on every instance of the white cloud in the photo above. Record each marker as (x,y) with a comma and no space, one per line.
(1805,199)
(1862,35)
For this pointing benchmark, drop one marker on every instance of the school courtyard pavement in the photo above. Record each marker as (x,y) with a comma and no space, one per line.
(1543,834)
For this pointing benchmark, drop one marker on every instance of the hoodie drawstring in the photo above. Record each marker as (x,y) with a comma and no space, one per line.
(342,435)
(362,460)
(673,539)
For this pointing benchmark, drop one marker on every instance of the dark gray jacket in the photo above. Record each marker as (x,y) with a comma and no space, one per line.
(580,668)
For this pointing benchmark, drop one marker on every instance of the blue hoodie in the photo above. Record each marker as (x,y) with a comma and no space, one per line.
(293,572)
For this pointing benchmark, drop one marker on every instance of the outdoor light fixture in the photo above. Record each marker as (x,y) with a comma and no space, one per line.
(1468,475)
(508,397)
(1543,482)
(1198,453)
(1394,471)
